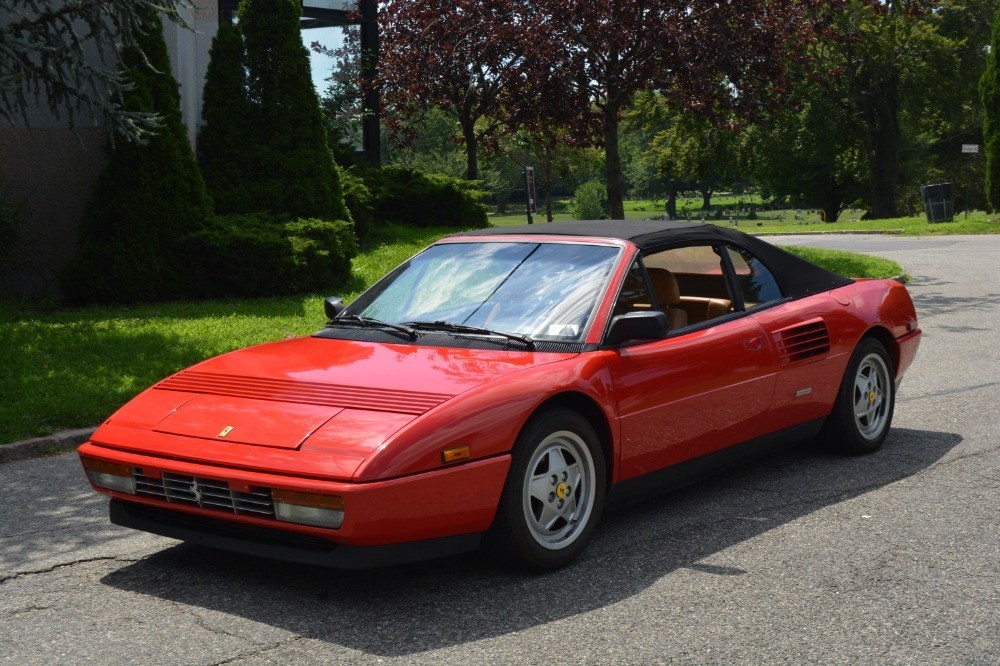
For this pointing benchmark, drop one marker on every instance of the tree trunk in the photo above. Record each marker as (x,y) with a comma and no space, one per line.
(832,205)
(547,179)
(548,201)
(706,199)
(672,202)
(613,163)
(882,141)
(471,149)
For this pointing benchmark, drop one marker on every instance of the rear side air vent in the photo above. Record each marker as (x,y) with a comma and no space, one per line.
(802,341)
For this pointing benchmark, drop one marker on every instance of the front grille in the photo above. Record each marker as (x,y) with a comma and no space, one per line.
(204,493)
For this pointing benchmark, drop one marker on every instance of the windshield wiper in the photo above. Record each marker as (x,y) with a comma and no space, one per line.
(371,322)
(464,328)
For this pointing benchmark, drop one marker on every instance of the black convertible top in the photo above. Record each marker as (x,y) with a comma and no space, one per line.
(797,277)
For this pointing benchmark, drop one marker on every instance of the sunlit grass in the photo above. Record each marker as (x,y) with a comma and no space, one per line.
(850,264)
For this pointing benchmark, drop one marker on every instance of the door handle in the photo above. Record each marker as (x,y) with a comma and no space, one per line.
(755,343)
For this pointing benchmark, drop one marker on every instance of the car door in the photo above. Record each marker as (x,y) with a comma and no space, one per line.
(707,386)
(809,366)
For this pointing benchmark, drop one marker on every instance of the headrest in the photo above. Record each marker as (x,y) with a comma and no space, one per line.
(668,292)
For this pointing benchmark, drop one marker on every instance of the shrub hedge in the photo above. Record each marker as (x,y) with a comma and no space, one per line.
(414,198)
(260,255)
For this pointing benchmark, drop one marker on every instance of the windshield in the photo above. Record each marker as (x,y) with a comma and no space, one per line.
(547,291)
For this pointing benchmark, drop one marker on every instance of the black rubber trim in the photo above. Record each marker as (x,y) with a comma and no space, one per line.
(698,469)
(281,545)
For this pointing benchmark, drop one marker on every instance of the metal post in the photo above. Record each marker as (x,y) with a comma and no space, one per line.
(528,183)
(968,168)
(372,103)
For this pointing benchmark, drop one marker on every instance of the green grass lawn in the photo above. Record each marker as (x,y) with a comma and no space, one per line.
(67,368)
(851,264)
(784,221)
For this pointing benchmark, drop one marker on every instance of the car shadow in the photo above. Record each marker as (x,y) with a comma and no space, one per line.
(411,609)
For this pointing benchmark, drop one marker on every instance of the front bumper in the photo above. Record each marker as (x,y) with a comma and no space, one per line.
(446,502)
(279,544)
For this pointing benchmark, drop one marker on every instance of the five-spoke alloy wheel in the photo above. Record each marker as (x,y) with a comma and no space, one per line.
(863,412)
(554,493)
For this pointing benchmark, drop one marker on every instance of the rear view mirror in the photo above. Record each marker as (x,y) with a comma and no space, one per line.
(333,306)
(642,325)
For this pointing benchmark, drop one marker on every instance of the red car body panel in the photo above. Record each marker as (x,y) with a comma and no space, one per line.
(369,421)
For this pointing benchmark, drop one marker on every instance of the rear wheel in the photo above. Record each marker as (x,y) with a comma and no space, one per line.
(554,494)
(863,412)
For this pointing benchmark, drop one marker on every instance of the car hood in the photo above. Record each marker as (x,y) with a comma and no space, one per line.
(328,404)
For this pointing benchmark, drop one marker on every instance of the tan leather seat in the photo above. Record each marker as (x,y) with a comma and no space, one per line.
(703,309)
(668,293)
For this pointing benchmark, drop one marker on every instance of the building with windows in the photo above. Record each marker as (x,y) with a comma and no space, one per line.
(47,169)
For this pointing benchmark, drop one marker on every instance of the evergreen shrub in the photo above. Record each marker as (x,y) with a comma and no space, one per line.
(414,198)
(261,255)
(359,202)
(590,202)
(149,196)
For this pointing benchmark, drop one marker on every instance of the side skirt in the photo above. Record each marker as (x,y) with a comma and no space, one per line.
(692,471)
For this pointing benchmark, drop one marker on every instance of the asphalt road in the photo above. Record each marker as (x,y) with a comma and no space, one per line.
(803,557)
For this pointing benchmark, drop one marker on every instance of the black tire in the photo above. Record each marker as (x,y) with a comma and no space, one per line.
(848,431)
(518,535)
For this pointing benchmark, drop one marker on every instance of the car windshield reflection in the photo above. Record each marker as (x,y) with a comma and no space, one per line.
(545,291)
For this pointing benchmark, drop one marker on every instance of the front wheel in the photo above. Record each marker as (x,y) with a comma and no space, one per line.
(554,494)
(863,411)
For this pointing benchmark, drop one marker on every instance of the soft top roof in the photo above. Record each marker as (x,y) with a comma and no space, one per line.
(796,276)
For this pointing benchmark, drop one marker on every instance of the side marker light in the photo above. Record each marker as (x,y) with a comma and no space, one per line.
(454,455)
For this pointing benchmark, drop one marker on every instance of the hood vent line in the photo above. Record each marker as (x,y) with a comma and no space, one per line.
(309,393)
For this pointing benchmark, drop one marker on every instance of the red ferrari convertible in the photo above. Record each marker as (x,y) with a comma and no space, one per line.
(505,387)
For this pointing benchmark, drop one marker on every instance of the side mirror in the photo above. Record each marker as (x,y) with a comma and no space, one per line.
(642,325)
(333,306)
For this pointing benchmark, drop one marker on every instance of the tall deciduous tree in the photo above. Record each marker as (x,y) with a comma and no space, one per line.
(883,55)
(706,55)
(69,56)
(811,153)
(989,90)
(459,55)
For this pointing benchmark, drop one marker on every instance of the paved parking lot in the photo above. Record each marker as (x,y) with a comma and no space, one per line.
(803,557)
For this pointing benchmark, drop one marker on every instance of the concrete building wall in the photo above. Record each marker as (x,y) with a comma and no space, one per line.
(49,168)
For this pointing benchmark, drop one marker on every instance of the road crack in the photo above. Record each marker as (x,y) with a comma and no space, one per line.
(259,651)
(64,565)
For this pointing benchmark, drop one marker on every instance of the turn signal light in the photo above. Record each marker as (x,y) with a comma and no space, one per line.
(454,455)
(110,476)
(313,509)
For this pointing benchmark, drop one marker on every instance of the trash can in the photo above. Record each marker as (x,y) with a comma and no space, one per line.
(938,202)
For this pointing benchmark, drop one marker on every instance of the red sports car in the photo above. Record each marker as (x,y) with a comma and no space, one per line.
(506,386)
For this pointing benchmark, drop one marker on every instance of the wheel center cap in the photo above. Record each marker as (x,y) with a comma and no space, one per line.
(871,397)
(562,491)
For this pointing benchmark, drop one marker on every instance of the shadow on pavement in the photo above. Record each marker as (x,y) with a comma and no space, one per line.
(405,610)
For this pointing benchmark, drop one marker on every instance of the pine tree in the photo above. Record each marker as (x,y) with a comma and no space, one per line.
(222,142)
(294,170)
(148,197)
(989,92)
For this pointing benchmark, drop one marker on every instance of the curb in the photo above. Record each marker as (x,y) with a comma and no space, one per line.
(60,442)
(859,232)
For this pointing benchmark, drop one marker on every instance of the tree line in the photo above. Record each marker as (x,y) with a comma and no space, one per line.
(828,104)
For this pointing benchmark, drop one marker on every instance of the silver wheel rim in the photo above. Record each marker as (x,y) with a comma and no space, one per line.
(871,397)
(558,491)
